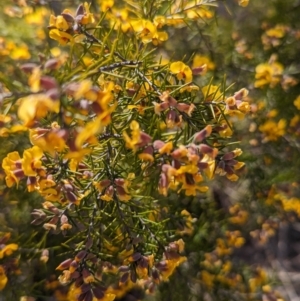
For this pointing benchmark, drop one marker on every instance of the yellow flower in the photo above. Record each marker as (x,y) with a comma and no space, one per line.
(171,265)
(234,239)
(12,168)
(108,194)
(222,248)
(35,79)
(50,141)
(182,71)
(208,279)
(107,297)
(199,13)
(62,37)
(20,53)
(268,74)
(243,3)
(211,166)
(3,278)
(36,106)
(142,272)
(166,148)
(91,129)
(297,102)
(61,23)
(78,154)
(175,20)
(276,32)
(31,161)
(4,119)
(258,280)
(8,250)
(145,30)
(84,90)
(106,4)
(135,134)
(190,184)
(272,130)
(201,60)
(159,21)
(73,293)
(37,17)
(88,17)
(212,93)
(158,37)
(239,216)
(118,18)
(188,224)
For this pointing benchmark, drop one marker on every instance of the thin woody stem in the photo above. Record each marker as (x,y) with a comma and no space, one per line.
(95,40)
(119,64)
(152,85)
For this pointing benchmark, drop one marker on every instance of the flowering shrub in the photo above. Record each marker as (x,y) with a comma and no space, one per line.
(111,144)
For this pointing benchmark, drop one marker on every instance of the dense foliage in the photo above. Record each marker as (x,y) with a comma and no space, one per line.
(145,146)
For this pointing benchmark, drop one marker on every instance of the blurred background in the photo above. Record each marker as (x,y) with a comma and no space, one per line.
(244,238)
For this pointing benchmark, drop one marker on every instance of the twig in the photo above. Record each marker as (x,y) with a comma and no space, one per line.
(95,40)
(119,64)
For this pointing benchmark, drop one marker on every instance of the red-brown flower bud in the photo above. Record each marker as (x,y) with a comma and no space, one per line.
(27,68)
(136,256)
(124,268)
(79,10)
(48,82)
(63,219)
(80,255)
(199,70)
(228,156)
(120,182)
(98,293)
(87,276)
(157,144)
(79,281)
(52,64)
(144,139)
(68,17)
(73,266)
(89,242)
(203,134)
(85,287)
(71,197)
(205,149)
(38,213)
(124,277)
(65,264)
